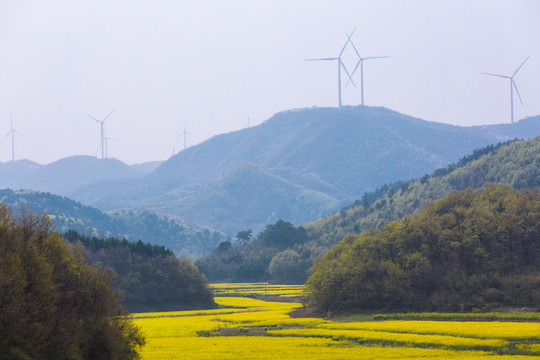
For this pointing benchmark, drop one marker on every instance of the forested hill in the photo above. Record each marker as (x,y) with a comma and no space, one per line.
(516,163)
(67,215)
(468,250)
(324,157)
(150,276)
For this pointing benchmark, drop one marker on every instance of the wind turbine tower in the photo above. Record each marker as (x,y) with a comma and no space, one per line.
(185,133)
(11,132)
(339,65)
(512,86)
(361,64)
(103,139)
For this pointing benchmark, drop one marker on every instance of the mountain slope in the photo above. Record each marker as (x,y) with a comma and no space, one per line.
(339,153)
(517,164)
(67,215)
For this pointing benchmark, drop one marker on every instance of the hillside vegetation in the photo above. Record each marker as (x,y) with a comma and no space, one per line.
(467,250)
(53,305)
(298,165)
(516,163)
(69,215)
(150,276)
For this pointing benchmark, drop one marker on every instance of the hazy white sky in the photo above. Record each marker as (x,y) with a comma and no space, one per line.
(212,63)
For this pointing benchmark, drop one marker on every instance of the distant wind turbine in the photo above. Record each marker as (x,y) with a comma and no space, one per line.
(361,64)
(185,133)
(102,122)
(340,65)
(11,132)
(512,86)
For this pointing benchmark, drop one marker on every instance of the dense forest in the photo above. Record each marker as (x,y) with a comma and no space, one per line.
(150,276)
(468,250)
(514,162)
(53,304)
(67,214)
(269,257)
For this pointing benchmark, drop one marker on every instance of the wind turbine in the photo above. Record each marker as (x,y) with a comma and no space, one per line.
(185,133)
(11,132)
(361,64)
(102,122)
(512,86)
(340,65)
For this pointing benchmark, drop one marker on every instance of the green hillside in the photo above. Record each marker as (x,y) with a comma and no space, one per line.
(325,157)
(67,215)
(468,250)
(516,163)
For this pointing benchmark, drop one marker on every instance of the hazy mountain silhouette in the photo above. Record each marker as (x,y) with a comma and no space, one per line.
(247,178)
(65,175)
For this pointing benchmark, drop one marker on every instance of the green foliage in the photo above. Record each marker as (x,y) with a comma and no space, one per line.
(467,250)
(150,276)
(53,305)
(516,163)
(69,215)
(253,261)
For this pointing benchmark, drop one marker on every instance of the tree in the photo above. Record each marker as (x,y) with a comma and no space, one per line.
(244,236)
(53,305)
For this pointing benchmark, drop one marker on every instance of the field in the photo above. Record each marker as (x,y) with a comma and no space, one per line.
(245,327)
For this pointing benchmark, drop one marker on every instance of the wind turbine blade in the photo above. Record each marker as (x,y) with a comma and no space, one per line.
(501,76)
(16,132)
(5,137)
(376,57)
(353,72)
(109,115)
(346,42)
(515,72)
(355,50)
(91,117)
(349,75)
(323,59)
(515,87)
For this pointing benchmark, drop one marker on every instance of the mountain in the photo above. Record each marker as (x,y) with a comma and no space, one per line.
(325,157)
(65,175)
(67,214)
(516,163)
(146,167)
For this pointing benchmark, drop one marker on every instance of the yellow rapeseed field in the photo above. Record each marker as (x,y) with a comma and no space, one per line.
(248,328)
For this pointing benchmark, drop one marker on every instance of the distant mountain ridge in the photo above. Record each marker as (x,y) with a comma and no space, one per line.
(298,166)
(66,175)
(331,156)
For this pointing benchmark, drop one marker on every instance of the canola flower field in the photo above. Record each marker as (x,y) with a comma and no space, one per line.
(248,328)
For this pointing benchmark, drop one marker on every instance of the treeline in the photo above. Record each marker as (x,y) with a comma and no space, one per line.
(467,250)
(94,244)
(273,255)
(53,304)
(150,276)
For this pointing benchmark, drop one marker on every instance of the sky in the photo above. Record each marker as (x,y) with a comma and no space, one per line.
(216,66)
